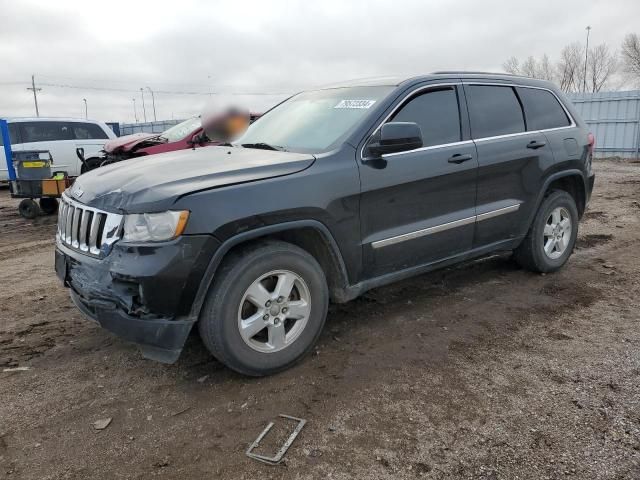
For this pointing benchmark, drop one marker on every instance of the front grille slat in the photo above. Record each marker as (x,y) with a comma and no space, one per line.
(93,236)
(87,229)
(83,233)
(61,217)
(69,222)
(74,227)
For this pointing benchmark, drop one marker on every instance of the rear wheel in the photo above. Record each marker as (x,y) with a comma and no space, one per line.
(48,205)
(266,308)
(552,236)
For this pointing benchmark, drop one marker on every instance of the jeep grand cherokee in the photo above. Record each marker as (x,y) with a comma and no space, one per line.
(331,193)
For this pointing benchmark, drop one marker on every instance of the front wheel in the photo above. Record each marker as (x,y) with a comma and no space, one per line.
(28,208)
(552,236)
(265,309)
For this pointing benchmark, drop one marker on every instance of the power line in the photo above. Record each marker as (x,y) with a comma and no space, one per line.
(102,80)
(165,92)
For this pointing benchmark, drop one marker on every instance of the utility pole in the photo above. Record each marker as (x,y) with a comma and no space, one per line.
(153,101)
(135,112)
(86,110)
(586,59)
(144,110)
(35,96)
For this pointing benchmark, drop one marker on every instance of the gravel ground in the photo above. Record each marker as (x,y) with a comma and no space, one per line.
(480,371)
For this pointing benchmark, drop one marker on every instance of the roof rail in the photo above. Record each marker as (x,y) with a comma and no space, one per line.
(468,72)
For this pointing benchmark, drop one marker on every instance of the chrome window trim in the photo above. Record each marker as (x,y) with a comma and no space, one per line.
(464,142)
(397,107)
(430,147)
(444,226)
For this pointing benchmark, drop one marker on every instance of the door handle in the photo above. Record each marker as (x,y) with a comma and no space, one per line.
(535,144)
(459,158)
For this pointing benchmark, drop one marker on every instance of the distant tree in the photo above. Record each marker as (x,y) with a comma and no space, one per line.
(531,67)
(546,70)
(630,53)
(568,71)
(512,65)
(570,68)
(600,66)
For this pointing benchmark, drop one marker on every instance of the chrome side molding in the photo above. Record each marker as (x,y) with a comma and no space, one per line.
(444,226)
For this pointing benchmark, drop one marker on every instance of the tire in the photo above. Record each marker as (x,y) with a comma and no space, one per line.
(558,237)
(235,301)
(28,208)
(48,205)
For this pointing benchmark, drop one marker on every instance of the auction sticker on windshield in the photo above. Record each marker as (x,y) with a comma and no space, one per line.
(355,104)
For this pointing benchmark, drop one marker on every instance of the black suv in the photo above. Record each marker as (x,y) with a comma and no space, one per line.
(331,193)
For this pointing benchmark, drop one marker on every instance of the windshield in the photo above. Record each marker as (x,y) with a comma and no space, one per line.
(181,130)
(315,121)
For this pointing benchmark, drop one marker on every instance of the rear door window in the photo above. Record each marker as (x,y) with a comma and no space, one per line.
(437,113)
(494,110)
(88,131)
(45,131)
(542,109)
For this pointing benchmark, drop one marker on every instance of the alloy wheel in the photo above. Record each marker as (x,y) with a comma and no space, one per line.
(274,311)
(557,233)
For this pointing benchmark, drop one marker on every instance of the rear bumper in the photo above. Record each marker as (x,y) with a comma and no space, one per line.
(590,182)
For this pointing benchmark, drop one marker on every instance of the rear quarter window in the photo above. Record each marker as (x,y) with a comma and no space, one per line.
(88,131)
(542,109)
(494,110)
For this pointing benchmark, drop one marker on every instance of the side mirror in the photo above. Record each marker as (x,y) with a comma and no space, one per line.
(395,137)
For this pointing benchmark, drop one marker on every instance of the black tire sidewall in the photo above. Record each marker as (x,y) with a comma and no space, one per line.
(28,208)
(48,205)
(221,312)
(553,201)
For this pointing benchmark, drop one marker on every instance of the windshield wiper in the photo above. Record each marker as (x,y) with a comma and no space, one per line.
(264,146)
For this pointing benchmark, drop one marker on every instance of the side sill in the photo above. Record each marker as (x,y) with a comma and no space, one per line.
(354,291)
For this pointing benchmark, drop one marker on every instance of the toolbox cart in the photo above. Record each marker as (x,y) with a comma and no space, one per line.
(31,178)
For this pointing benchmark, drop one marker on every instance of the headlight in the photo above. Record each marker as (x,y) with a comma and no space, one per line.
(154,227)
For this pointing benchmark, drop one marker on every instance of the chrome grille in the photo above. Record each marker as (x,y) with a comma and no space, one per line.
(87,229)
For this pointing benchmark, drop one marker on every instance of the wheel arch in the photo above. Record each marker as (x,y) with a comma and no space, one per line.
(310,235)
(574,185)
(572,181)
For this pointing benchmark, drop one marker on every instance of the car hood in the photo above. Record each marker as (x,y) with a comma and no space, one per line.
(154,183)
(127,142)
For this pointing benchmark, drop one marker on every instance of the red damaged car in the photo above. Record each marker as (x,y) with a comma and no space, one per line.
(187,134)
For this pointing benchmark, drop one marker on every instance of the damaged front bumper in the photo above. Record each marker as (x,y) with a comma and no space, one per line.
(143,293)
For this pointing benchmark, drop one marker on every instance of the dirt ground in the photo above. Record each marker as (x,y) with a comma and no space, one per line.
(480,371)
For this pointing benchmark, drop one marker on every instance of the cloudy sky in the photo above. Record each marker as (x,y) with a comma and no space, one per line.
(194,52)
